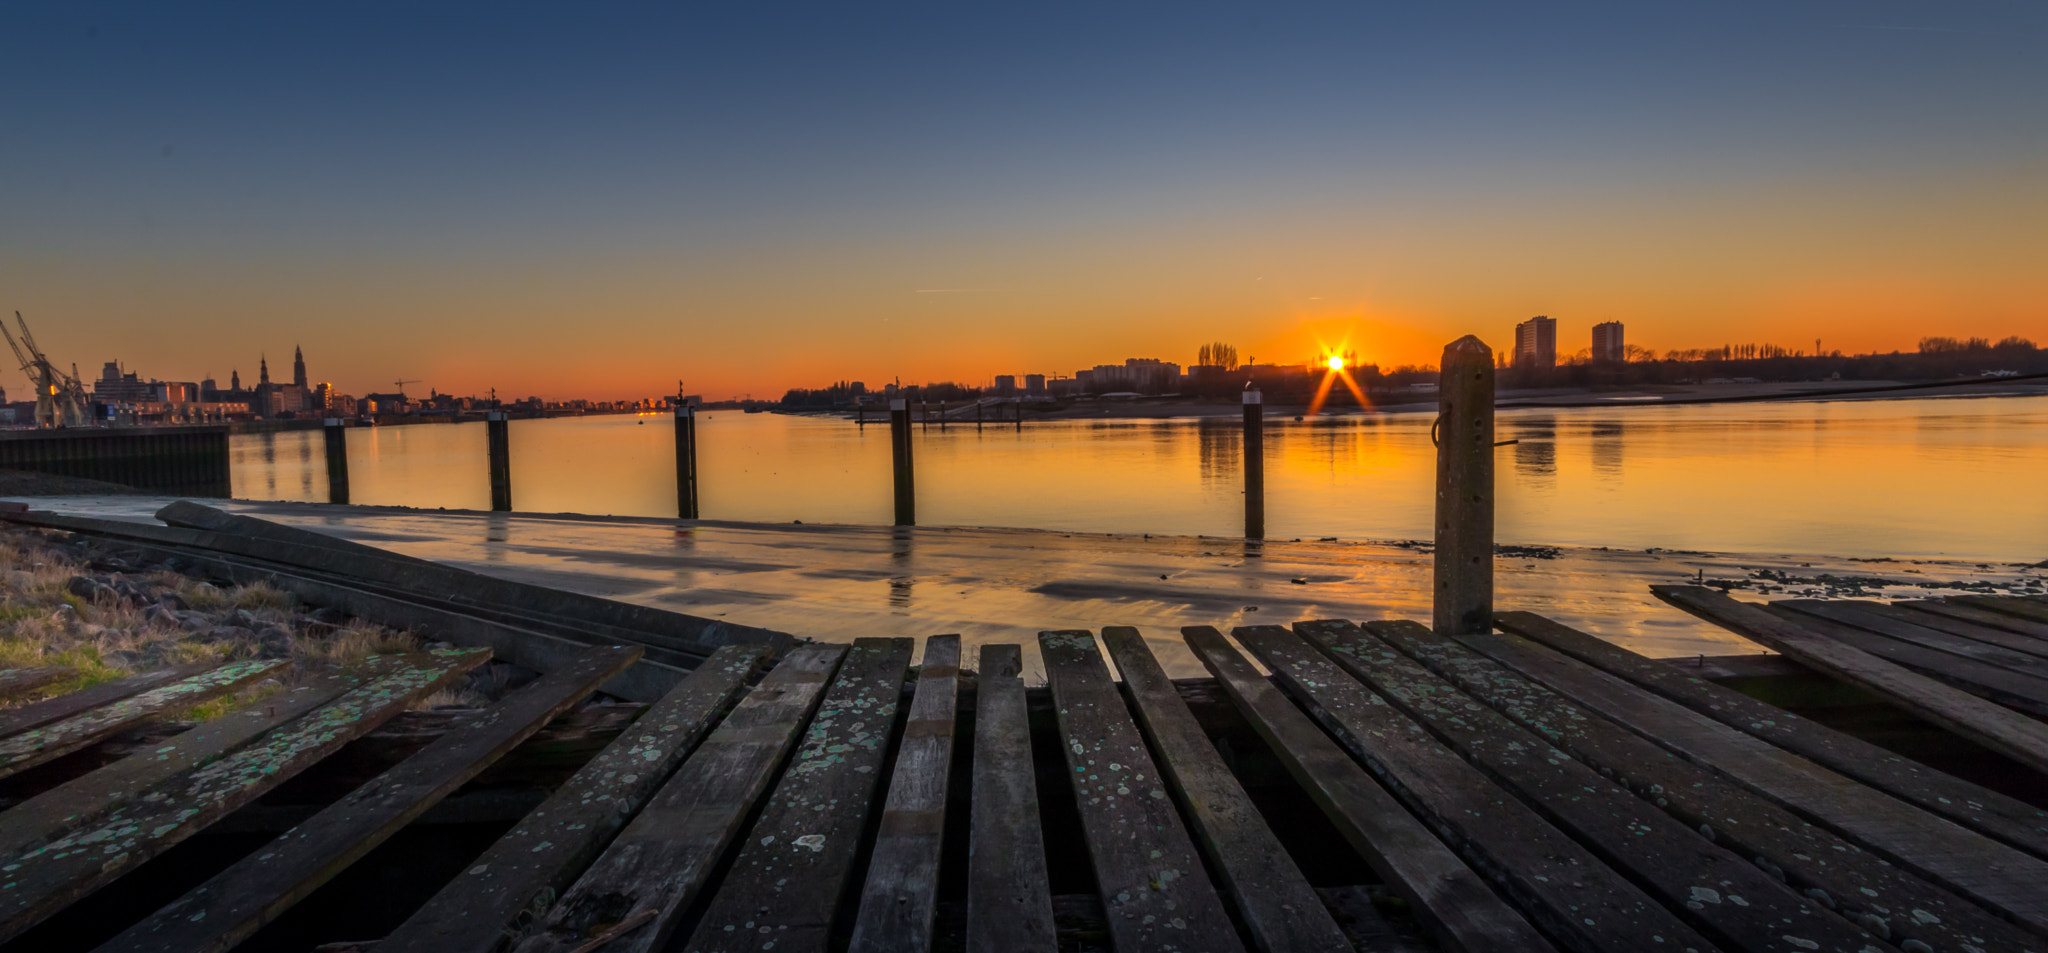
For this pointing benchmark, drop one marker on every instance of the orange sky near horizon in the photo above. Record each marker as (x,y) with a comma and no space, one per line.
(594,202)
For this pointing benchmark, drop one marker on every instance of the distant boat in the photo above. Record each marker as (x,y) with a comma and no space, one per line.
(754,410)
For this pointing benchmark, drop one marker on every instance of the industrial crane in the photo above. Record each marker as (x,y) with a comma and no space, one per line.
(401,386)
(60,398)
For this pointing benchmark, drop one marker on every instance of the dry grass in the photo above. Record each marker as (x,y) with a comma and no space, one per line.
(104,638)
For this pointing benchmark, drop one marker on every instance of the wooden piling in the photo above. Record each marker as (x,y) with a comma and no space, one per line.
(1464,489)
(899,443)
(1254,465)
(979,407)
(337,461)
(686,462)
(498,427)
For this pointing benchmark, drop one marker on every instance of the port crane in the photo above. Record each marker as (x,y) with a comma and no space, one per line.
(401,386)
(60,398)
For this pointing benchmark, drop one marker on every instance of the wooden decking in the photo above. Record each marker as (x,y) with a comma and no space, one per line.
(1531,789)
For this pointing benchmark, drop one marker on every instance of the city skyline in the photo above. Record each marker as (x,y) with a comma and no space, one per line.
(579,202)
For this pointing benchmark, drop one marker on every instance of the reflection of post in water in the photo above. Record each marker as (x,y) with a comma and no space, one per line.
(497,531)
(269,441)
(1536,455)
(305,465)
(1607,442)
(1216,444)
(901,578)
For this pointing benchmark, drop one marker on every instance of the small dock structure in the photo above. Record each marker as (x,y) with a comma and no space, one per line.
(1327,786)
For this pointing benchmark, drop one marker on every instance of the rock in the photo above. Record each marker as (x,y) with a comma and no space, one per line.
(274,642)
(122,658)
(231,633)
(81,586)
(195,622)
(329,615)
(65,616)
(21,579)
(172,600)
(243,618)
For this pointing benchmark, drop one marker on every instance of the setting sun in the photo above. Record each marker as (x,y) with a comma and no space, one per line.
(1336,362)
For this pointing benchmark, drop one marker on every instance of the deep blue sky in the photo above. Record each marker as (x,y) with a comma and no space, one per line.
(760,194)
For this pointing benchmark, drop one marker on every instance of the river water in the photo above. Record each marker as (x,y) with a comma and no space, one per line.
(1904,478)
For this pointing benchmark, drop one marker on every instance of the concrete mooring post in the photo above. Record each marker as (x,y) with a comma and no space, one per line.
(686,462)
(1464,489)
(337,460)
(497,426)
(899,445)
(1254,465)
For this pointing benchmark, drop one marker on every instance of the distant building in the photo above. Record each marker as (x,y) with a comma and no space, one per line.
(1536,342)
(1607,344)
(1006,385)
(174,392)
(1142,375)
(1034,385)
(117,387)
(298,368)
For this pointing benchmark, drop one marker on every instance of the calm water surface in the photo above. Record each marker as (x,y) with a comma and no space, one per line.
(1875,478)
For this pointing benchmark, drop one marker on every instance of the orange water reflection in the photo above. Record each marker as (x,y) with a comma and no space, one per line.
(1879,478)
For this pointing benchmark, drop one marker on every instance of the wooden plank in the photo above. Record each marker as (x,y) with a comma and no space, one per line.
(1723,895)
(1273,899)
(1943,608)
(900,894)
(232,905)
(1986,871)
(35,714)
(1869,617)
(1453,903)
(1864,888)
(41,880)
(2027,610)
(21,681)
(52,741)
(81,799)
(1009,896)
(1153,887)
(659,861)
(1558,884)
(784,890)
(517,878)
(2007,732)
(1991,682)
(1978,808)
(1999,636)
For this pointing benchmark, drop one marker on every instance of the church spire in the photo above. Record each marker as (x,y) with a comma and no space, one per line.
(263,370)
(298,366)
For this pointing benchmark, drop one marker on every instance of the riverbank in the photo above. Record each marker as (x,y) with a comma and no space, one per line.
(79,605)
(839,582)
(1423,401)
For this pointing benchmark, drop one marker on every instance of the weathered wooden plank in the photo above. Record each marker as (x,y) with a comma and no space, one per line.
(1557,883)
(1820,864)
(1994,635)
(1870,618)
(518,877)
(81,799)
(1154,890)
(783,891)
(2007,732)
(2030,610)
(1991,873)
(1988,681)
(232,905)
(21,681)
(1978,808)
(1985,618)
(35,714)
(1274,900)
(1724,896)
(900,893)
(656,865)
(41,880)
(1009,896)
(1454,903)
(51,741)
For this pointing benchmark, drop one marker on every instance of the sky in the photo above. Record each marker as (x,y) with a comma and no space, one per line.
(596,200)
